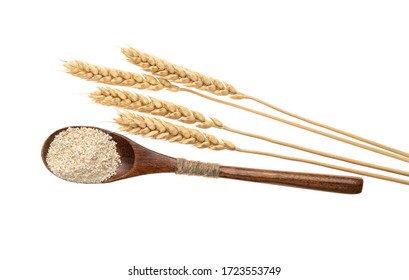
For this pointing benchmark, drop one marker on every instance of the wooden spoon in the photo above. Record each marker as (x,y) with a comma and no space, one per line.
(137,160)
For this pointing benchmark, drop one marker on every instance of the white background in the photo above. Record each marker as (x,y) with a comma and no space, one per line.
(344,63)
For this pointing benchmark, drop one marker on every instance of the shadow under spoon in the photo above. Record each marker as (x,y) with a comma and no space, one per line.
(137,160)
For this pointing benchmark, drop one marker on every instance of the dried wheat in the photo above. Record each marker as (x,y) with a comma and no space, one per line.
(189,78)
(117,77)
(179,74)
(146,104)
(160,129)
(122,78)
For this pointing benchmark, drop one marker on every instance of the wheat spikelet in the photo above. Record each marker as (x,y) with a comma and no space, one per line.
(160,129)
(116,77)
(146,104)
(179,74)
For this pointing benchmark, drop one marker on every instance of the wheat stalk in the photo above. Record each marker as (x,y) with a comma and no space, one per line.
(189,78)
(159,129)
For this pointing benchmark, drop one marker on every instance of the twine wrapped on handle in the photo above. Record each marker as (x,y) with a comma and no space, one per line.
(197,168)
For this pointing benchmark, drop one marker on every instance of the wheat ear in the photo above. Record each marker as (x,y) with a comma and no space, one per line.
(189,78)
(147,104)
(137,102)
(159,129)
(115,77)
(178,74)
(112,76)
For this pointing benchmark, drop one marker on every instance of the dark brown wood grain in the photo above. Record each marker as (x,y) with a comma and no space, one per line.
(321,182)
(137,160)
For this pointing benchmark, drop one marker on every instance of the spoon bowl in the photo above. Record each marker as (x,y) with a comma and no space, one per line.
(137,160)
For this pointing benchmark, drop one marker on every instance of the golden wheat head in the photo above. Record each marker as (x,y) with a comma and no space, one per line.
(178,74)
(146,104)
(116,77)
(159,129)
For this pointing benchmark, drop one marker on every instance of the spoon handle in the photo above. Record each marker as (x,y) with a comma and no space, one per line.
(321,182)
